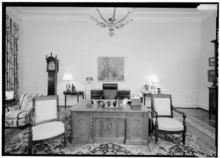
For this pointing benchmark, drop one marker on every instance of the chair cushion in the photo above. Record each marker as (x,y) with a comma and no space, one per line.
(47,130)
(169,124)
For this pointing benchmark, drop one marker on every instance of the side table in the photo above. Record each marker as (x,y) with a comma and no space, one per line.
(8,102)
(77,93)
(146,95)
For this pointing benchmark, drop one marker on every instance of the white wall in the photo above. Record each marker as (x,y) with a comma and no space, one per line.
(208,33)
(169,49)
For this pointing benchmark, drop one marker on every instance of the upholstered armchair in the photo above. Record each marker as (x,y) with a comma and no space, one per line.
(19,116)
(45,123)
(162,116)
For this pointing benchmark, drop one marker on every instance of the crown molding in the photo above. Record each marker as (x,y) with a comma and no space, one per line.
(83,14)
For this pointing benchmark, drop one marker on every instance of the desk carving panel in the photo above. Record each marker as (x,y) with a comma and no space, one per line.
(90,125)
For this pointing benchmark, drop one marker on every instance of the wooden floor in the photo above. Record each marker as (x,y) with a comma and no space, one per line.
(201,115)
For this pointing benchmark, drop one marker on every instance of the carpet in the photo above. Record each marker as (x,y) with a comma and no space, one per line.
(199,143)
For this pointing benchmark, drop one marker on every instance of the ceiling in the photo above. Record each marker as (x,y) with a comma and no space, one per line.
(142,11)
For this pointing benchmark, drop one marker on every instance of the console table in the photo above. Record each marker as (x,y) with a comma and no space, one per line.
(89,124)
(77,93)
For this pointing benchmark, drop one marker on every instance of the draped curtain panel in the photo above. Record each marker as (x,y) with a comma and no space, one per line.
(11,61)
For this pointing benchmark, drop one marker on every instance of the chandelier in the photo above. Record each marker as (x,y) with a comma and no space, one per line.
(112,18)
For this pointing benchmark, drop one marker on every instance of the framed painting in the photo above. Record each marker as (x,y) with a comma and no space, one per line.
(211,75)
(110,68)
(211,61)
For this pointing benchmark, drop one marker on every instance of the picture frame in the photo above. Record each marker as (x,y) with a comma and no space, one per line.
(211,61)
(111,69)
(211,75)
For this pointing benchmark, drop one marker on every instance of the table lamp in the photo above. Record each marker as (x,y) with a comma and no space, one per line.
(154,80)
(68,77)
(88,80)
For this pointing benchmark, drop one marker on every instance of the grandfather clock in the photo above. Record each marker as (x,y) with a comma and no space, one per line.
(52,69)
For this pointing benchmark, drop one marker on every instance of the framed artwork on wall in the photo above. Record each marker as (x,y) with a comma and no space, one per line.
(211,75)
(211,61)
(110,68)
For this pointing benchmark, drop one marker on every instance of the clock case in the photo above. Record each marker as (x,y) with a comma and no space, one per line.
(52,74)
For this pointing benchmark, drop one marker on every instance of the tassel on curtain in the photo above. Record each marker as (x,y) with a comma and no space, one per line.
(11,61)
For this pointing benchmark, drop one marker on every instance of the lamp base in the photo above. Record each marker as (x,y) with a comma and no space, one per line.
(68,87)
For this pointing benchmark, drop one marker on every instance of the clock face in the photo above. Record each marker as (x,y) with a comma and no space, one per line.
(51,65)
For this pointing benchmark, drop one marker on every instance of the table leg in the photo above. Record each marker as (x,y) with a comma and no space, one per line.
(144,98)
(77,98)
(65,101)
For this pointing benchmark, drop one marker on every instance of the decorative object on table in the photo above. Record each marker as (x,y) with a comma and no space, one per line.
(52,69)
(211,75)
(88,81)
(73,88)
(112,18)
(110,68)
(154,80)
(159,90)
(146,87)
(11,53)
(135,104)
(68,77)
(212,61)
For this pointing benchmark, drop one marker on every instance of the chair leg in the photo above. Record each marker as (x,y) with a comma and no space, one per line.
(30,141)
(156,135)
(184,137)
(65,140)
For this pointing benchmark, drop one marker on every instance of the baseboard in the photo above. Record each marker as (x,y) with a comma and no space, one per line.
(192,108)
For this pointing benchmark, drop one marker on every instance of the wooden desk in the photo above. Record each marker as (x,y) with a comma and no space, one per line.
(89,124)
(77,93)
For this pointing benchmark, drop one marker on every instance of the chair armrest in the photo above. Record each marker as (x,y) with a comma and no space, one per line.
(154,112)
(184,117)
(180,112)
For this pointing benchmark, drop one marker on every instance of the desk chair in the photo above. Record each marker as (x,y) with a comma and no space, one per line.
(110,90)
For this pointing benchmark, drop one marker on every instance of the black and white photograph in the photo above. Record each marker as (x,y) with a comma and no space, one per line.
(134,79)
(211,61)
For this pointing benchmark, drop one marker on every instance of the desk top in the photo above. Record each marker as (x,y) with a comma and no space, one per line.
(86,106)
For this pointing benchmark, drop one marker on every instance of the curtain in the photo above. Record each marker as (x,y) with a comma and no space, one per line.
(11,57)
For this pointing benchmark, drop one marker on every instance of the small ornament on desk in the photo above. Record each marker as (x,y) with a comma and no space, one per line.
(159,90)
(73,88)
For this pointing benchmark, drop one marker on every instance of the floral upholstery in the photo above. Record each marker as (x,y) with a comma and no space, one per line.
(20,117)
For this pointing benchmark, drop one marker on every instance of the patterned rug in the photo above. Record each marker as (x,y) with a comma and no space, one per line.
(197,144)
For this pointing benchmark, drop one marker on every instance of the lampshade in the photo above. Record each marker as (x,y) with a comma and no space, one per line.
(67,76)
(153,79)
